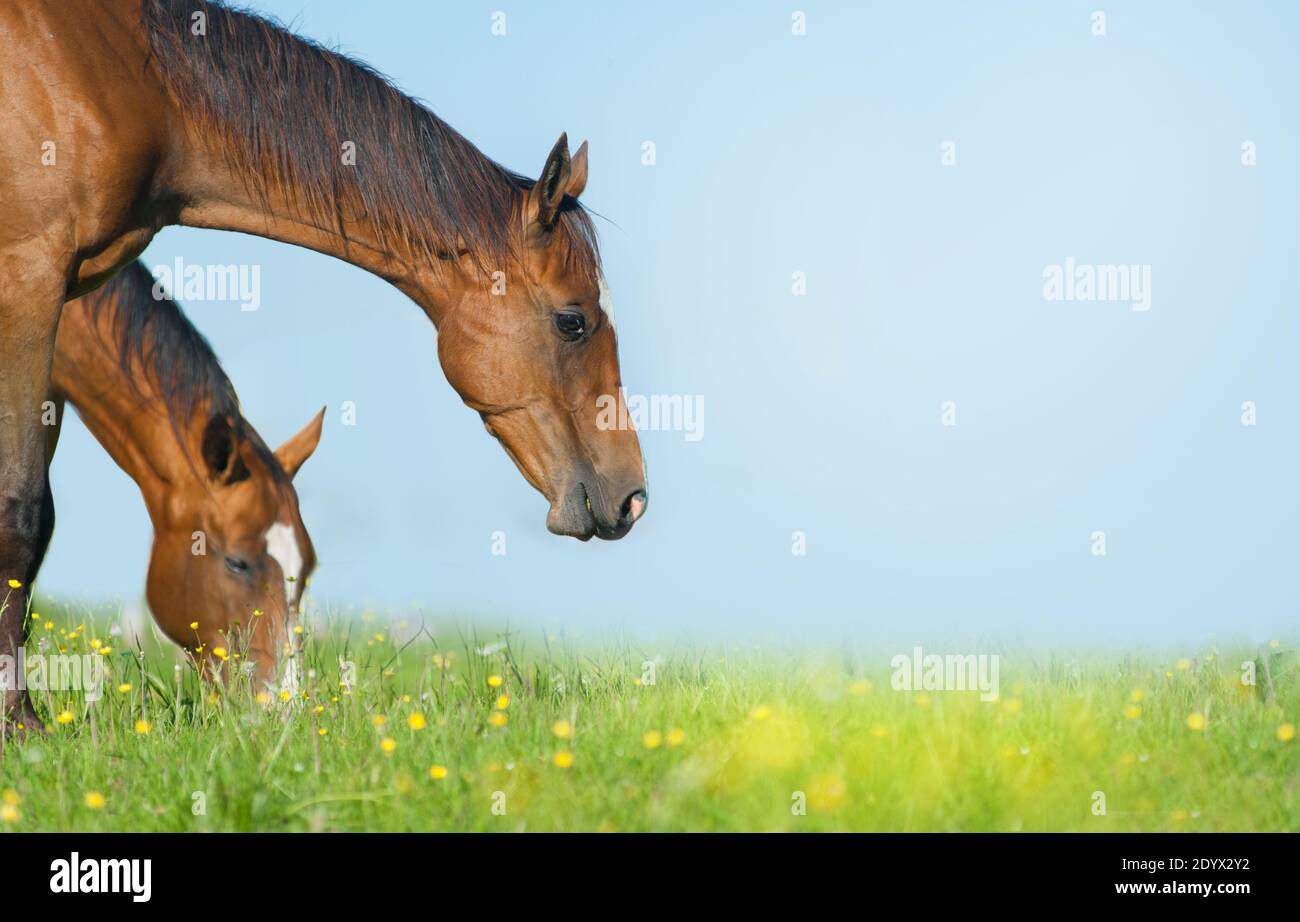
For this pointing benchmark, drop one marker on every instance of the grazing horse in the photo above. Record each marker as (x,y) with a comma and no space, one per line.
(230,551)
(120,117)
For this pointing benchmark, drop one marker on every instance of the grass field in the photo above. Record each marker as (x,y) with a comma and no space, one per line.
(444,732)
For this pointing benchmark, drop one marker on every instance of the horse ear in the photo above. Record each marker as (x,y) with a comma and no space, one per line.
(218,445)
(577,172)
(298,449)
(548,192)
(221,452)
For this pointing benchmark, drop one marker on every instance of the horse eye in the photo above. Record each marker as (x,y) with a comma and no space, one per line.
(237,566)
(571,324)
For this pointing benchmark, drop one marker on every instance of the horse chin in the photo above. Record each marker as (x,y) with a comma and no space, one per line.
(571,517)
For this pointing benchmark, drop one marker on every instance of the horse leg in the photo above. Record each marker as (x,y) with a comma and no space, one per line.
(44,531)
(29,312)
(52,421)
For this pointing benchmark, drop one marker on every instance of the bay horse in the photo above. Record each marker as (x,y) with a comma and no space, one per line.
(121,117)
(230,552)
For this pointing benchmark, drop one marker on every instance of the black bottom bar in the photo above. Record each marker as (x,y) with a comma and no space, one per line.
(332,871)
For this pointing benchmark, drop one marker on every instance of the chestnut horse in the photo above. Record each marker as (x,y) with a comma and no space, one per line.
(230,551)
(120,117)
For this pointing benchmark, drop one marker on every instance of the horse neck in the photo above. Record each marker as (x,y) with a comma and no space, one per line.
(217,195)
(124,411)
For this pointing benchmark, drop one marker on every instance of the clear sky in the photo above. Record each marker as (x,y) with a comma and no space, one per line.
(822,154)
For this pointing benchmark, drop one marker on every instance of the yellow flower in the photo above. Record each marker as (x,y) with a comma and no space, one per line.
(1183,665)
(318,709)
(438,772)
(494,681)
(1286,733)
(15,584)
(416,721)
(388,744)
(105,651)
(285,694)
(1196,721)
(563,759)
(65,717)
(95,800)
(220,652)
(652,739)
(143,727)
(10,814)
(676,736)
(1132,712)
(762,712)
(257,612)
(1135,695)
(124,687)
(503,702)
(262,698)
(827,793)
(194,625)
(1013,705)
(11,797)
(879,731)
(562,728)
(298,629)
(497,719)
(323,731)
(379,720)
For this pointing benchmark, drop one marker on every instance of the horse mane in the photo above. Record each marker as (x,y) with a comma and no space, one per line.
(284,106)
(154,335)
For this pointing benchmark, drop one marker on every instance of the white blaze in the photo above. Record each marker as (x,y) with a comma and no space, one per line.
(282,545)
(289,682)
(606,301)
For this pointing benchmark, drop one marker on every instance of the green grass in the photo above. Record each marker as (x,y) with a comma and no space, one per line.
(752,729)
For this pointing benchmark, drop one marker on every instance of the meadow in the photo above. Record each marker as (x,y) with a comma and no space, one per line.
(400,727)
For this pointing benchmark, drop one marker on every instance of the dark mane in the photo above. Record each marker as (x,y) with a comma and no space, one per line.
(284,106)
(153,335)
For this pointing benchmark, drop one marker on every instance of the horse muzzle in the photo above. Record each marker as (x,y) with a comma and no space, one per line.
(578,514)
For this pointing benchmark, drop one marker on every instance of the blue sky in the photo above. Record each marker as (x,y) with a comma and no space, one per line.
(821,154)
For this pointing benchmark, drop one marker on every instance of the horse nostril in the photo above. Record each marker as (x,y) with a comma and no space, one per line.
(633,508)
